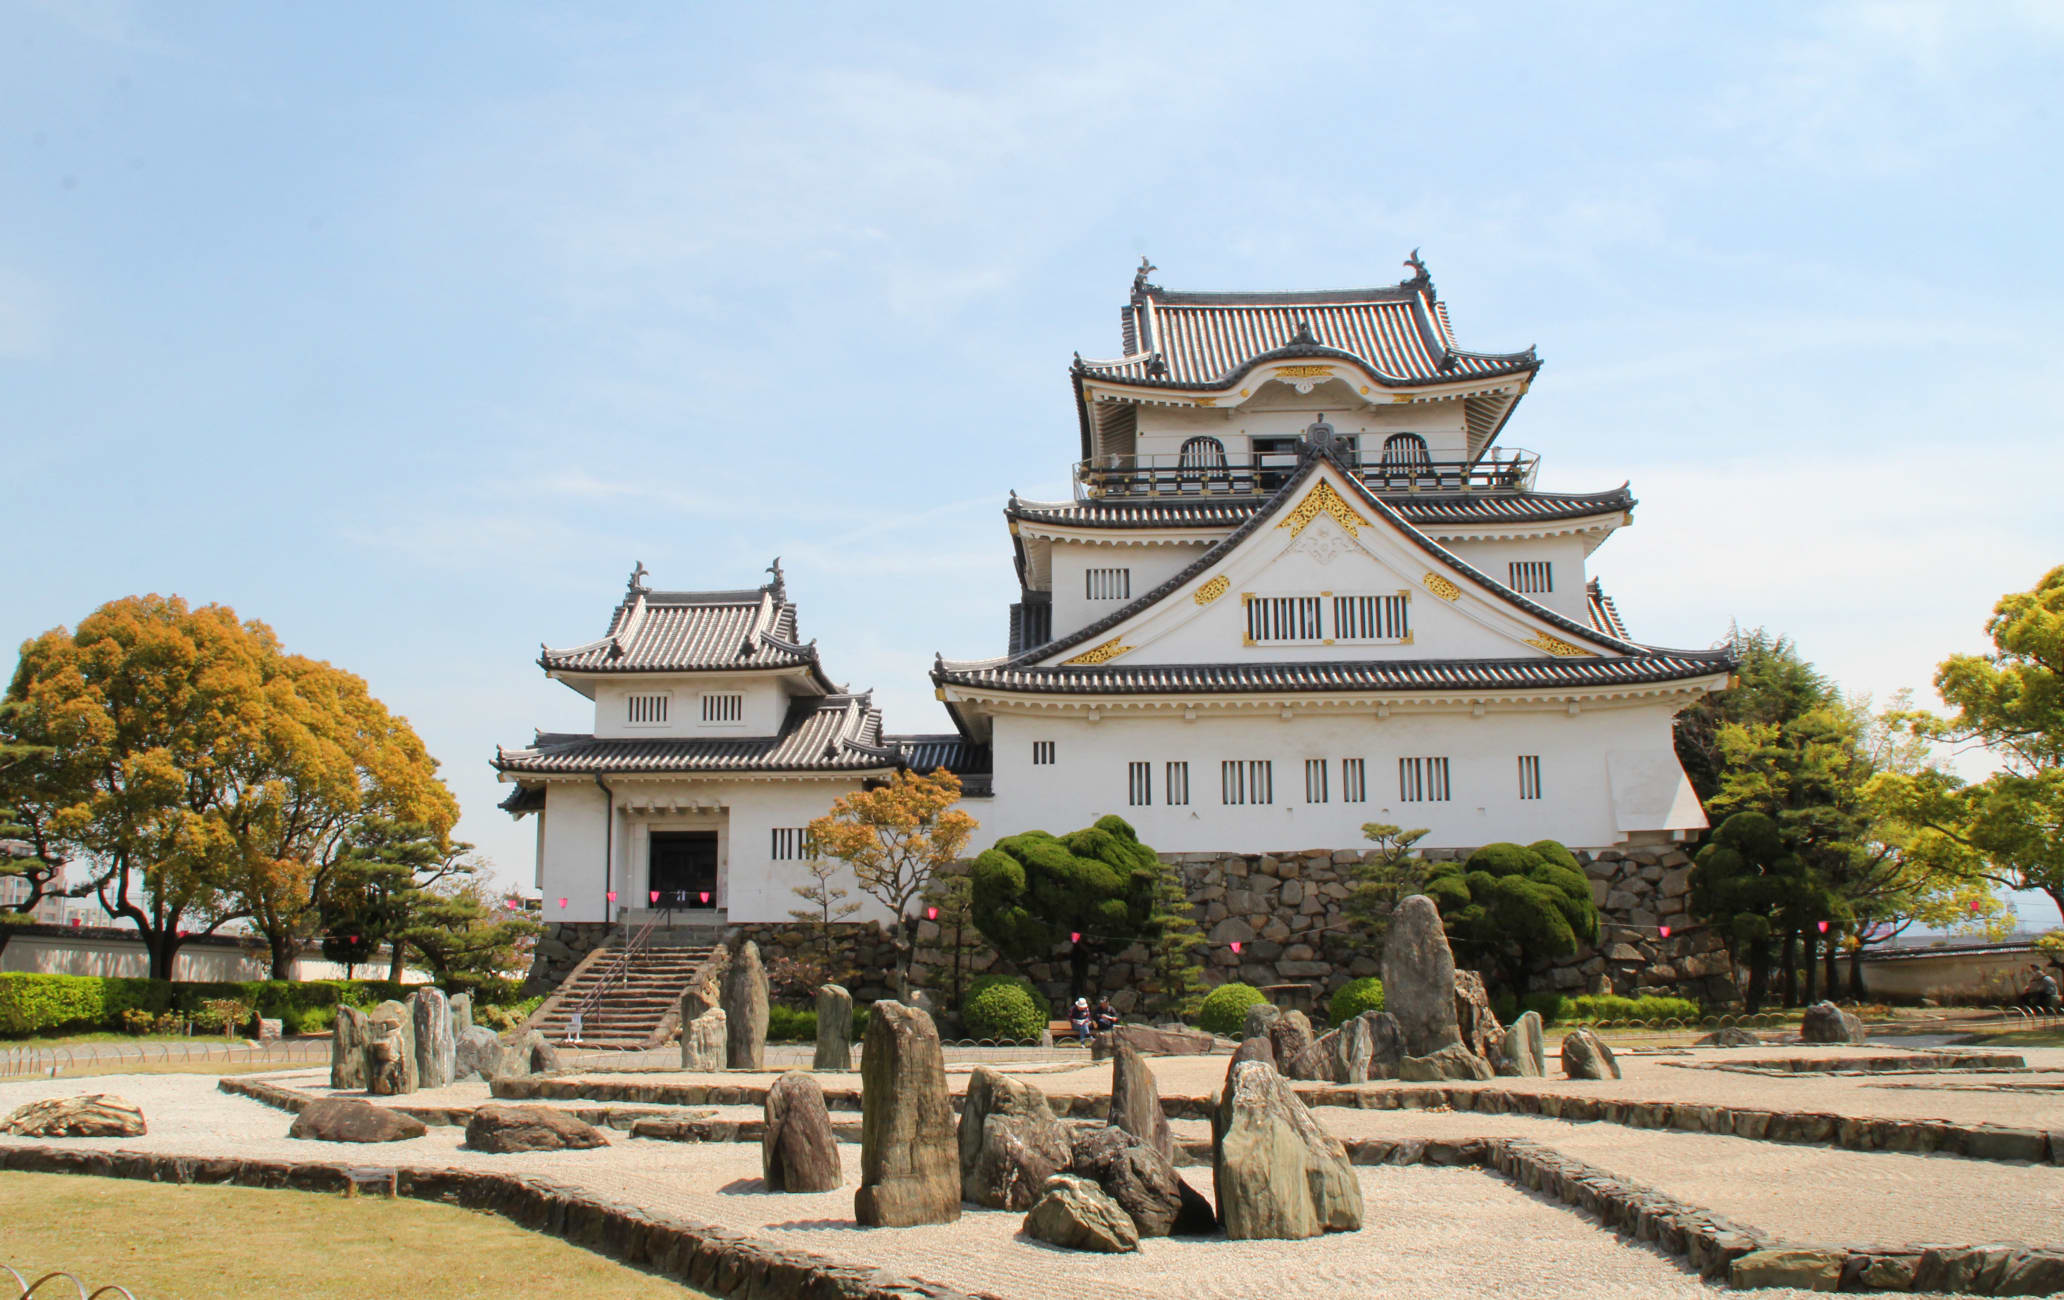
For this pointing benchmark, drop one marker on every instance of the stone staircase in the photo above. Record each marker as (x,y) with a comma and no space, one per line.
(625,1006)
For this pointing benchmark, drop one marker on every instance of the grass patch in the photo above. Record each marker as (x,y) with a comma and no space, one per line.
(104,1036)
(177,1240)
(2052,1037)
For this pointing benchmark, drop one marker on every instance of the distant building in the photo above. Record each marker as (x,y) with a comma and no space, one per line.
(1300,587)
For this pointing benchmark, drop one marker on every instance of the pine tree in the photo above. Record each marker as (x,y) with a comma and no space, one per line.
(1393,874)
(825,908)
(1176,987)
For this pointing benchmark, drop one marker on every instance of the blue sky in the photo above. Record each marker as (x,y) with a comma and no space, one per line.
(407,329)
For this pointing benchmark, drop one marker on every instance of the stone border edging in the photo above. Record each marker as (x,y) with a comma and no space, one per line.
(704,1256)
(1800,1128)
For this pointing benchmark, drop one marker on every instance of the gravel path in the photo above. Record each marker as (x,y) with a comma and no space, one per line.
(1430,1232)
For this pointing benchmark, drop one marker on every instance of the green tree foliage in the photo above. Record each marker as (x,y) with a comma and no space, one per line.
(949,901)
(2010,703)
(389,872)
(1511,906)
(1751,887)
(1353,998)
(824,907)
(1175,963)
(1033,891)
(465,934)
(1383,879)
(1004,1012)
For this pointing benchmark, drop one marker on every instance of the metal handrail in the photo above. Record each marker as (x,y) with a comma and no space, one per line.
(1164,474)
(620,970)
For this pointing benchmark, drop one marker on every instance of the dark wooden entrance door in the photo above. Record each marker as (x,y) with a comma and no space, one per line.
(683,868)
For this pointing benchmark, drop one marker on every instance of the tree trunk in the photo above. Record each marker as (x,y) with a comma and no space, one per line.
(1759,977)
(1810,942)
(163,948)
(1787,970)
(1078,972)
(397,961)
(1856,972)
(1834,970)
(282,967)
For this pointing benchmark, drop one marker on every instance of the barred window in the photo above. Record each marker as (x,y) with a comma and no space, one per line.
(1139,779)
(1370,618)
(790,843)
(1531,576)
(723,708)
(1042,753)
(1107,584)
(1354,786)
(1175,789)
(1243,781)
(646,710)
(1422,780)
(1529,776)
(1315,780)
(1283,618)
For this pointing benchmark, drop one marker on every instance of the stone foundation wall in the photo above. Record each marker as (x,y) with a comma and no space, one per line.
(1287,910)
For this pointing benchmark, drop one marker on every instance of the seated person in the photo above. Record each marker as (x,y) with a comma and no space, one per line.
(1080,1018)
(1106,1015)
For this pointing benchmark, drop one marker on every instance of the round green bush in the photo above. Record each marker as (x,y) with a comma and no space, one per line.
(1004,1011)
(1225,1009)
(1355,997)
(983,983)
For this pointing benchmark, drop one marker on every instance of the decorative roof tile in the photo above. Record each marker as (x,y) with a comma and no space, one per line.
(695,631)
(832,733)
(1374,675)
(1424,509)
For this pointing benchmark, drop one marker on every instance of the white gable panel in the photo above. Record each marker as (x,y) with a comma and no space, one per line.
(1342,549)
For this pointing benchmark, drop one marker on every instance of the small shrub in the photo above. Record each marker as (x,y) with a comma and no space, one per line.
(859,1023)
(135,1020)
(1225,1009)
(1005,1011)
(983,983)
(1593,1007)
(791,1024)
(502,1017)
(316,1020)
(1355,997)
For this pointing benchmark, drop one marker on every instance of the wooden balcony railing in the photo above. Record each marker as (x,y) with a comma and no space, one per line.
(1120,477)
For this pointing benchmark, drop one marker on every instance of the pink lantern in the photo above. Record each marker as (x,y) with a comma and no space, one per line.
(1823,927)
(612,895)
(509,903)
(1074,936)
(705,898)
(562,904)
(655,898)
(931,914)
(1236,947)
(1662,931)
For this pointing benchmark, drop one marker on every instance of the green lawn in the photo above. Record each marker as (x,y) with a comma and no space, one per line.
(103,1036)
(2052,1037)
(170,1242)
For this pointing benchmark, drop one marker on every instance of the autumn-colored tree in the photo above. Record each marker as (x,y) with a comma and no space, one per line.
(895,837)
(200,774)
(27,851)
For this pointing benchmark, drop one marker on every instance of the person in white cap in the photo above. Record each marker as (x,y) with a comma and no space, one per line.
(1078,1016)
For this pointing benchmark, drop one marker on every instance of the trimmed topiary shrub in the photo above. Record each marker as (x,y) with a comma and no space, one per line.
(1225,1009)
(1511,905)
(983,983)
(1596,1007)
(1004,1011)
(1355,997)
(791,1024)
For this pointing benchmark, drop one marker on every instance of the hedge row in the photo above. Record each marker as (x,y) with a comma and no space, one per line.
(44,1004)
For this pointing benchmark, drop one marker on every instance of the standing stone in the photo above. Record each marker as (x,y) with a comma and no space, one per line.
(909,1157)
(1474,1019)
(1010,1142)
(1386,1043)
(1290,1034)
(393,1016)
(698,998)
(1142,1181)
(1259,1016)
(434,1041)
(834,1029)
(1827,1023)
(347,1049)
(476,1053)
(1585,1056)
(798,1152)
(1136,1101)
(390,1065)
(745,1008)
(1351,1048)
(1526,1048)
(1419,978)
(704,1042)
(524,1056)
(1074,1213)
(461,1014)
(1280,1176)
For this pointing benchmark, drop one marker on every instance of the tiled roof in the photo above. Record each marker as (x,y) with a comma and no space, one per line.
(1419,508)
(1312,458)
(694,631)
(956,754)
(1363,675)
(1195,340)
(832,733)
(1605,616)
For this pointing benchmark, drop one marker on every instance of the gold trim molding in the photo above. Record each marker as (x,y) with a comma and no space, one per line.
(1212,590)
(1104,653)
(1323,500)
(1440,586)
(1302,372)
(1559,648)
